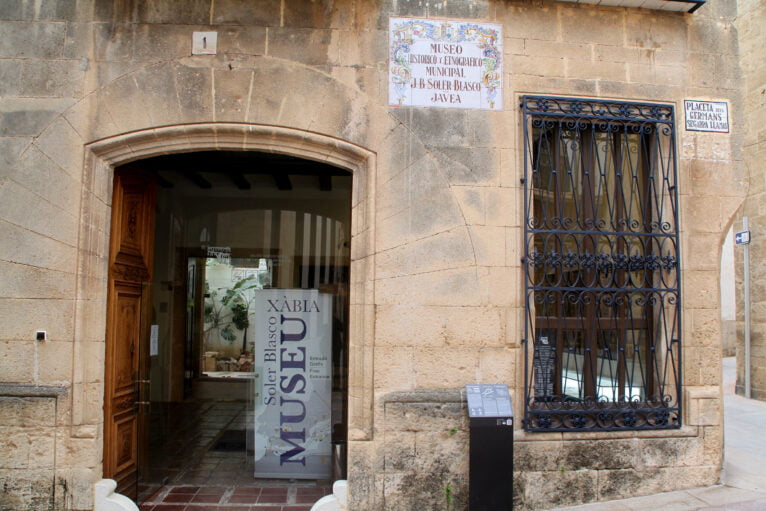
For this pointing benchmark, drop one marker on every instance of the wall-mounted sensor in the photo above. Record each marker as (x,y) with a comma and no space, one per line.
(41,335)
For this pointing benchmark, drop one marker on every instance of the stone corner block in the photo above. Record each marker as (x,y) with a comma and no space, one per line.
(703,406)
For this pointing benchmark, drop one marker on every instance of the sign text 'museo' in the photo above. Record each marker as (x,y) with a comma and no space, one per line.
(447,64)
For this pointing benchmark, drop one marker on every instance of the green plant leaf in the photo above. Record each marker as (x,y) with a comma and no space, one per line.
(227,334)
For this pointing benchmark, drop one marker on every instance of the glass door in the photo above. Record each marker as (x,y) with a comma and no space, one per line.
(247,373)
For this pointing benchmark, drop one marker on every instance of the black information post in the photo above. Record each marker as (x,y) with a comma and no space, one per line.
(491,448)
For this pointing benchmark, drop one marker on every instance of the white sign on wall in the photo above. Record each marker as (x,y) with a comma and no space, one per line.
(293,387)
(222,254)
(154,340)
(707,116)
(447,64)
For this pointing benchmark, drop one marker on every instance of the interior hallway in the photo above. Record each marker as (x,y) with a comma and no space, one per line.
(199,462)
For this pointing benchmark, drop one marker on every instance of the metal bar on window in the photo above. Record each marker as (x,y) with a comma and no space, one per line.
(602,276)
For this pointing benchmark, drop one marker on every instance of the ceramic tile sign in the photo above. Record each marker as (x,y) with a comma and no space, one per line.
(293,384)
(445,64)
(710,116)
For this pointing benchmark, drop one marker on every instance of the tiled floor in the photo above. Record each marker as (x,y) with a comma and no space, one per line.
(182,439)
(190,471)
(288,497)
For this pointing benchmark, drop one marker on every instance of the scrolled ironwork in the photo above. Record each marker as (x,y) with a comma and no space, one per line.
(610,269)
(602,266)
(602,109)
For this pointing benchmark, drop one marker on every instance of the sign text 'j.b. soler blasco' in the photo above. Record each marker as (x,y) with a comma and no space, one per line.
(293,359)
(447,64)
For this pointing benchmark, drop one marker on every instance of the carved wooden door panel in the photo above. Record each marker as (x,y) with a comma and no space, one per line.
(131,251)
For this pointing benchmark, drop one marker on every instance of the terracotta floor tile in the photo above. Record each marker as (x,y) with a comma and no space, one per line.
(184,489)
(155,496)
(272,499)
(178,497)
(170,507)
(247,491)
(273,491)
(207,499)
(243,499)
(212,490)
(201,478)
(314,491)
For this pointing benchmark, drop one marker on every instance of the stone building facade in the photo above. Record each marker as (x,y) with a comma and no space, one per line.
(436,296)
(754,143)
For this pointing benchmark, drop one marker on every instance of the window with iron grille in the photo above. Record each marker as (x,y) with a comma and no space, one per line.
(602,276)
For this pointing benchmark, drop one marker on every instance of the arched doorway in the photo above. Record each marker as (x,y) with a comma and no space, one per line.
(239,355)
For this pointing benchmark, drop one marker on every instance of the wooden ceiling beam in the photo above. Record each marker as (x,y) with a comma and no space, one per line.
(164,183)
(239,180)
(325,182)
(198,180)
(282,181)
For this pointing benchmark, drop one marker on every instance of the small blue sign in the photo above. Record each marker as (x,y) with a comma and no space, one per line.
(742,238)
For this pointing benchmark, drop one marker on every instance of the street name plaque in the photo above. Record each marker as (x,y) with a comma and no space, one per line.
(710,116)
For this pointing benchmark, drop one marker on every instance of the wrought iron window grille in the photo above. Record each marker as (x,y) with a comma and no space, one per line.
(601,260)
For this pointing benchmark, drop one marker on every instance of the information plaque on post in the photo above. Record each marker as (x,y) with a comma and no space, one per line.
(491,447)
(488,401)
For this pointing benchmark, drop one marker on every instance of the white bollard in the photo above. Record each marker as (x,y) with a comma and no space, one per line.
(105,499)
(335,502)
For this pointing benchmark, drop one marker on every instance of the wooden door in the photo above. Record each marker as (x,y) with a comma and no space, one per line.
(131,251)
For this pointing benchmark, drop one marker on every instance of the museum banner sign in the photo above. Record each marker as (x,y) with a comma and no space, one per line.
(293,384)
(447,64)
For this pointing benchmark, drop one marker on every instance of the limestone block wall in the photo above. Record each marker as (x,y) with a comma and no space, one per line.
(29,440)
(436,291)
(751,40)
(551,48)
(48,457)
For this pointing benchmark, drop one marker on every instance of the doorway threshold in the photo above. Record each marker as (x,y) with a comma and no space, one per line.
(268,497)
